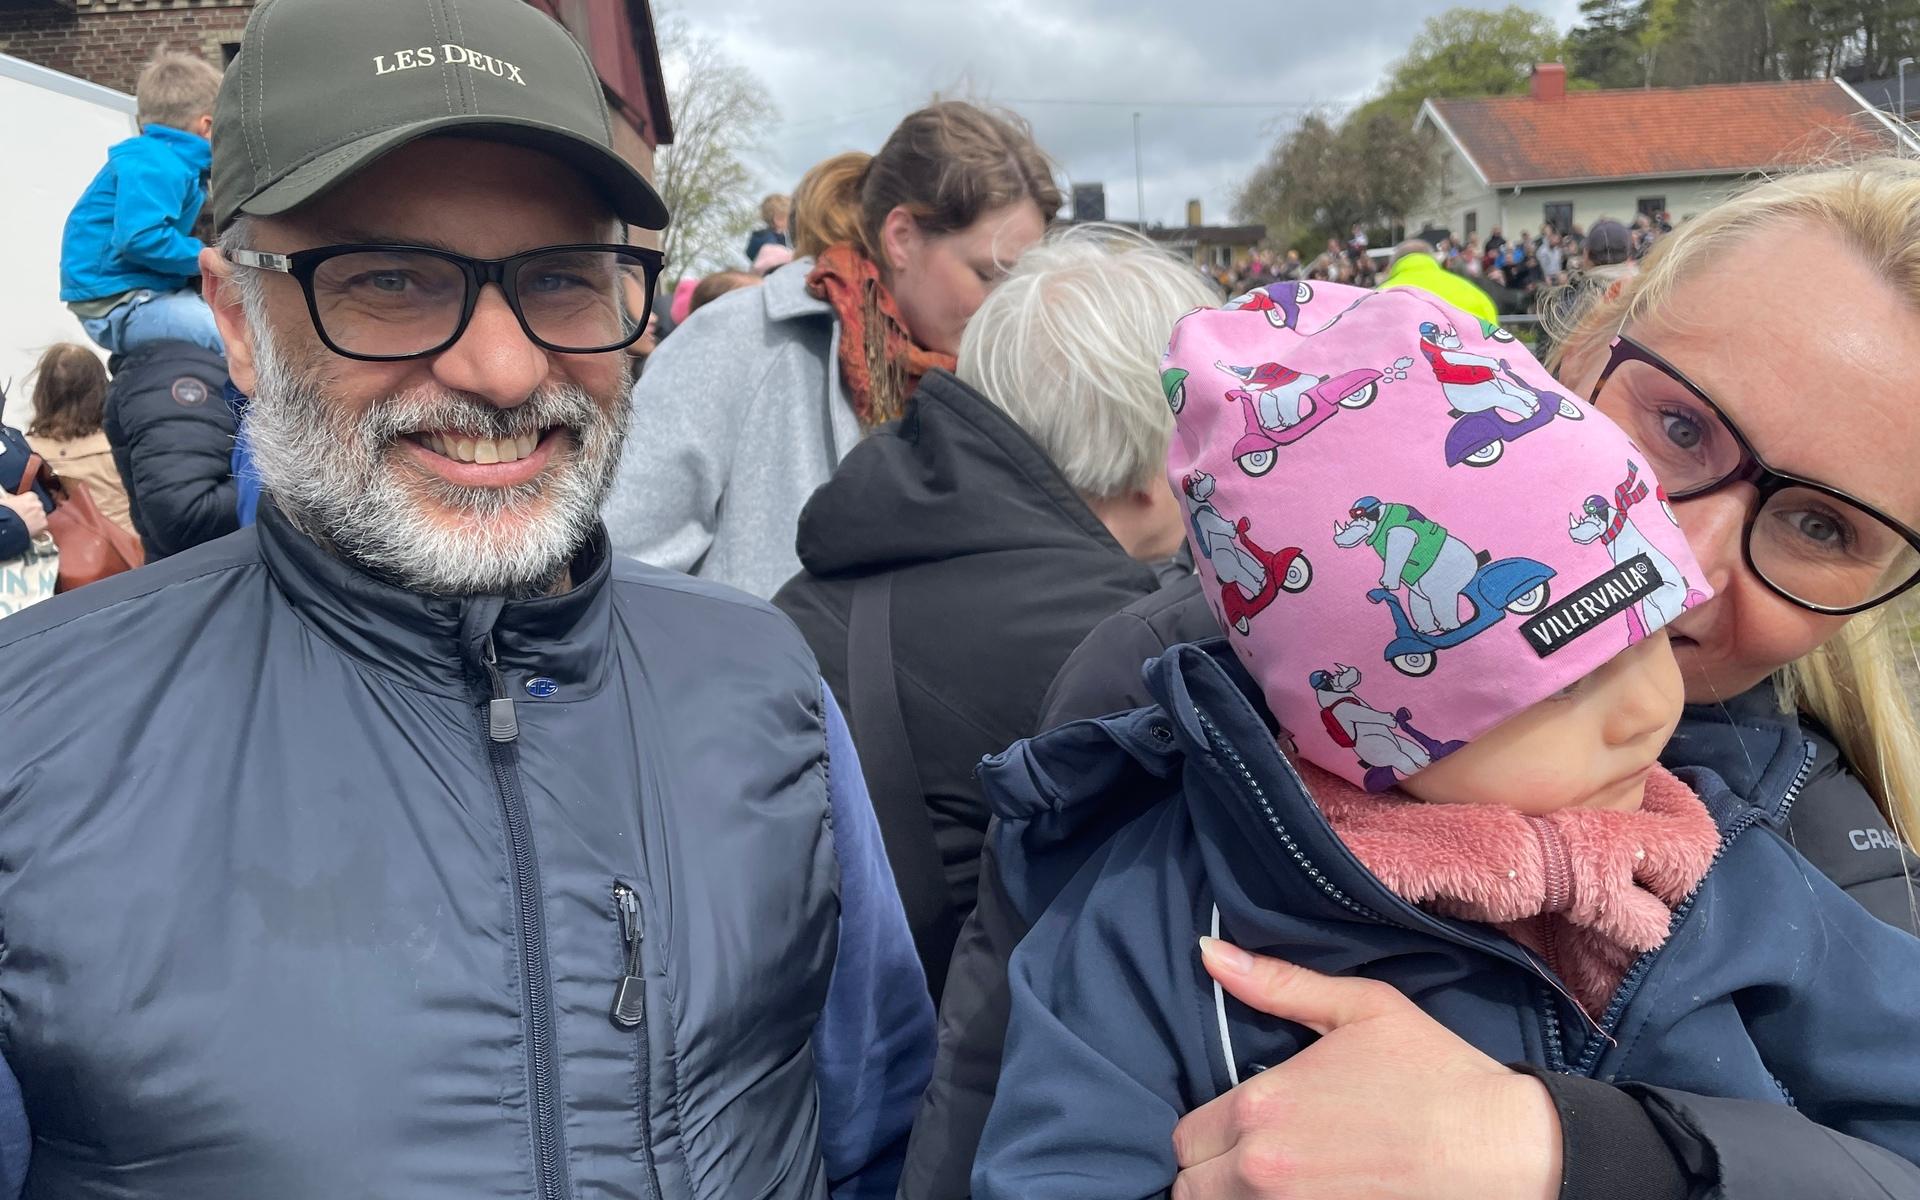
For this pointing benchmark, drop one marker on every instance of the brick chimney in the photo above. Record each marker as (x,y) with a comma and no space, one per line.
(1549,82)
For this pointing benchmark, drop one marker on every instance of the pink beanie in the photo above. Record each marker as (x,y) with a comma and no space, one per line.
(1408,530)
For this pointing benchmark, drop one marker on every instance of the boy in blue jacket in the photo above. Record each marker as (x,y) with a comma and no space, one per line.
(1476,815)
(128,252)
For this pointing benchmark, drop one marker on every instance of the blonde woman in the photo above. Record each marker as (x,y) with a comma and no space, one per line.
(1763,358)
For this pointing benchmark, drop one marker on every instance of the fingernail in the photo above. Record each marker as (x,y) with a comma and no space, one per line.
(1226,956)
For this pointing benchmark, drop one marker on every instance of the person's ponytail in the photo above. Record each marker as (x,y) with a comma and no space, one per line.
(826,205)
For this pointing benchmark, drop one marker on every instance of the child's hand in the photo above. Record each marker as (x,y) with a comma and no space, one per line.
(1387,1105)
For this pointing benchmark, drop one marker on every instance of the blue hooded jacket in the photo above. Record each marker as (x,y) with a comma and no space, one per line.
(1773,986)
(133,226)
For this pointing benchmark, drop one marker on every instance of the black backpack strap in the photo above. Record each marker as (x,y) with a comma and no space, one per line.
(893,781)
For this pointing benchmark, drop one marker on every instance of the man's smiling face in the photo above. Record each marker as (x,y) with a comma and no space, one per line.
(480,468)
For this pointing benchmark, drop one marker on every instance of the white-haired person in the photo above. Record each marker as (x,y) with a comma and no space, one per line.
(957,557)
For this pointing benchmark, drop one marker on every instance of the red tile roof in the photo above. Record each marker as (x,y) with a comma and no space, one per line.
(1629,133)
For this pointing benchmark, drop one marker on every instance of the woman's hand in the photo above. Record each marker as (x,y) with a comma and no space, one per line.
(1387,1104)
(28,509)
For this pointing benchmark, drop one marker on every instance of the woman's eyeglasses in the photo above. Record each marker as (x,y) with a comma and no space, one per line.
(380,303)
(1809,542)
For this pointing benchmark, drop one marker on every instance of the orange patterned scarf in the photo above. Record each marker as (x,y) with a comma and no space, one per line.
(880,362)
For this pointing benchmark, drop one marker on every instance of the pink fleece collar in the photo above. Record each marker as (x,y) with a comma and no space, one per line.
(1587,889)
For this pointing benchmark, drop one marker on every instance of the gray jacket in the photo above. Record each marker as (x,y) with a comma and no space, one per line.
(327,889)
(739,417)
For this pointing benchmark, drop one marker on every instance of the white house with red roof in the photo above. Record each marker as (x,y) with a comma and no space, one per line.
(1574,157)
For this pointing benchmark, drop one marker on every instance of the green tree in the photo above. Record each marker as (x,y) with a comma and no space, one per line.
(1371,167)
(1326,176)
(1605,48)
(1472,52)
(1678,43)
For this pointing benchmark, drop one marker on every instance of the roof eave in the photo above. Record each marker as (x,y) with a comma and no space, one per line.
(1571,181)
(647,42)
(1429,113)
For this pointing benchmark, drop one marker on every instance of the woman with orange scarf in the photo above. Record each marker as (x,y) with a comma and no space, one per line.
(748,407)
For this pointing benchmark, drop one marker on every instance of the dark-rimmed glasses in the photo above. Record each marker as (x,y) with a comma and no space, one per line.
(1809,542)
(381,303)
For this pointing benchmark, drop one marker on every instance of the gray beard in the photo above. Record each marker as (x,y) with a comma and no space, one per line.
(335,478)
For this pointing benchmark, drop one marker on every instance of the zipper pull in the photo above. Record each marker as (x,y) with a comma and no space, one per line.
(629,995)
(502,725)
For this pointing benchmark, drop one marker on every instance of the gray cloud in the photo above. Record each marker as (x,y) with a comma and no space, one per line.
(844,71)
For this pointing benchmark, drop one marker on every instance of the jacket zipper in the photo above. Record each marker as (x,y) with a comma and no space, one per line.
(1617,1007)
(1557,871)
(629,1012)
(1552,1034)
(502,730)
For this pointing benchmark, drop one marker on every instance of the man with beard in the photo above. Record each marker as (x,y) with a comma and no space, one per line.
(406,843)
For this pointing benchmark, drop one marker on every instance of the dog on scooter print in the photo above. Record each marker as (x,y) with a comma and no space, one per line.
(1431,564)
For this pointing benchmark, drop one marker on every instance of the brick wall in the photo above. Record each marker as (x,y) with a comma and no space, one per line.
(108,41)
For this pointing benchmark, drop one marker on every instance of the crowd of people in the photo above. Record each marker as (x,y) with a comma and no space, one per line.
(1521,275)
(962,707)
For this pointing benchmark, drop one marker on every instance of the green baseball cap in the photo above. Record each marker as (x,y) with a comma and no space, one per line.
(323,88)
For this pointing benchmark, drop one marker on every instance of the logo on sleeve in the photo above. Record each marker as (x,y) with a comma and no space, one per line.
(189,392)
(1608,596)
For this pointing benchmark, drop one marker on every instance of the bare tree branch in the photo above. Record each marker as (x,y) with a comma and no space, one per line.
(721,115)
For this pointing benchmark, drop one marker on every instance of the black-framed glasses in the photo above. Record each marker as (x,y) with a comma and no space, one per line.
(1809,542)
(380,303)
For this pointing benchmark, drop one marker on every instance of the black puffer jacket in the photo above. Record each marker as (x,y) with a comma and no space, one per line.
(172,436)
(1648,1144)
(998,570)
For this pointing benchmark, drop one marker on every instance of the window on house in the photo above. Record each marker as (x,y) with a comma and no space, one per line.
(1651,206)
(1471,224)
(1560,216)
(229,51)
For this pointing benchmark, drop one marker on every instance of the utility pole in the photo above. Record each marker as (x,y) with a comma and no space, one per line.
(1902,70)
(1139,177)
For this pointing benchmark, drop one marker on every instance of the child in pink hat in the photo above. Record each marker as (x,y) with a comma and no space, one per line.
(1426,751)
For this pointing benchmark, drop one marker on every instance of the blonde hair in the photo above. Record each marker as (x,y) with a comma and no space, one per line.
(775,206)
(175,90)
(1849,684)
(1069,347)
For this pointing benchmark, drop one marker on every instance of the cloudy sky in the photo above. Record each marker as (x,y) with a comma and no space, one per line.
(1214,81)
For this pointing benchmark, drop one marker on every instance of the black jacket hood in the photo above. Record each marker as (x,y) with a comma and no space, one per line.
(954,477)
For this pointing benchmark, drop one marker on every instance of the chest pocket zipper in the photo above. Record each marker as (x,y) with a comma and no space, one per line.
(629,1012)
(630,994)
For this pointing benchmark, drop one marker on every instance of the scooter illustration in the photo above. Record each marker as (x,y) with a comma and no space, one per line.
(1287,570)
(1256,451)
(1381,779)
(1280,301)
(1478,439)
(1507,585)
(1173,385)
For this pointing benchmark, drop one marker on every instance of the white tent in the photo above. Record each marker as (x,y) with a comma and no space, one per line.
(54,134)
